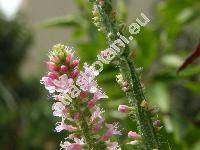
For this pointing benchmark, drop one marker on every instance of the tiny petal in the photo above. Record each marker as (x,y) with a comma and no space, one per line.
(112,130)
(52,67)
(134,135)
(78,145)
(62,126)
(52,75)
(55,59)
(59,109)
(112,145)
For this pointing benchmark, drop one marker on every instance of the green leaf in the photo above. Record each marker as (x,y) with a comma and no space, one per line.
(171,60)
(147,43)
(65,21)
(193,86)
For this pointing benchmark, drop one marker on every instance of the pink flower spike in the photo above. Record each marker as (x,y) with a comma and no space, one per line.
(124,109)
(63,69)
(68,58)
(74,74)
(134,135)
(52,75)
(51,66)
(74,63)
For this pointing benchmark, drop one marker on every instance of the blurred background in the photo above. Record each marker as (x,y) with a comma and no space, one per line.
(29,28)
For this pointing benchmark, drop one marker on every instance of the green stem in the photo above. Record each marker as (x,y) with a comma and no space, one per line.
(91,142)
(83,125)
(135,93)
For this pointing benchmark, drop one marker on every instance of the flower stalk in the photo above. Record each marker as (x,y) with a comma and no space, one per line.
(104,19)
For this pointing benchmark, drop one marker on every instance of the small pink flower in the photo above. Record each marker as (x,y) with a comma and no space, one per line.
(97,126)
(125,89)
(134,135)
(62,126)
(124,109)
(98,95)
(78,145)
(112,130)
(112,145)
(86,80)
(64,84)
(59,109)
(96,115)
(48,83)
(52,75)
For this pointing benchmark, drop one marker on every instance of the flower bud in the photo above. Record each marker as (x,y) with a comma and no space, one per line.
(83,94)
(63,69)
(125,89)
(51,66)
(157,123)
(124,109)
(144,104)
(74,74)
(75,63)
(52,75)
(134,135)
(55,59)
(68,59)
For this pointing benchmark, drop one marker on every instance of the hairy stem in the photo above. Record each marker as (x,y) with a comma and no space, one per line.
(83,125)
(91,142)
(135,93)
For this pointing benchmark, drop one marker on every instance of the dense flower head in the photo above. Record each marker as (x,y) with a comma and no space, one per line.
(77,95)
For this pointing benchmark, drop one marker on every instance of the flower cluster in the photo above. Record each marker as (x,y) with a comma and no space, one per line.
(80,114)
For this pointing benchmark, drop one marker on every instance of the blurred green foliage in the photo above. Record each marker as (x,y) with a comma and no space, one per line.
(26,121)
